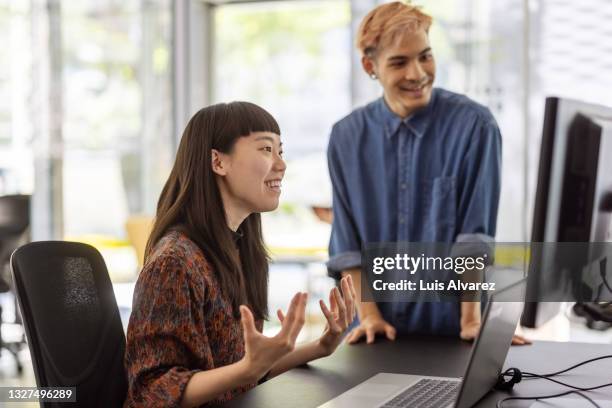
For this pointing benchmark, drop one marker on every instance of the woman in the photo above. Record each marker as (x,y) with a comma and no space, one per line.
(194,335)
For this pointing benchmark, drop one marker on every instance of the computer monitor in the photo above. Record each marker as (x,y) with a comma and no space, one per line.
(573,190)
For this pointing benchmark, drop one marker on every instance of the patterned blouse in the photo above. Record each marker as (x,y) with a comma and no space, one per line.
(181,323)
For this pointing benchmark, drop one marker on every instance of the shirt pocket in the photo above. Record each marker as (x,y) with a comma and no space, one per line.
(440,209)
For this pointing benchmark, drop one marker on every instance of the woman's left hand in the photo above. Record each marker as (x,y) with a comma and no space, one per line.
(339,317)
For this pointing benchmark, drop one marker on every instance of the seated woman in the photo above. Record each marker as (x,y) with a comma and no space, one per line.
(194,335)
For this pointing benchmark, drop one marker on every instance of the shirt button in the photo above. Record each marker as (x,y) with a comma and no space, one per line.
(401,220)
(403,186)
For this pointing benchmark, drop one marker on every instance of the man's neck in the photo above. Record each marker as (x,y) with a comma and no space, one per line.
(400,110)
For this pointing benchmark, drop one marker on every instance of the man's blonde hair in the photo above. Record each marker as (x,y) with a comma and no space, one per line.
(381,26)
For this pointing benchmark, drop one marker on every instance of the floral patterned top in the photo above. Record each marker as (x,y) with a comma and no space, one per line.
(181,323)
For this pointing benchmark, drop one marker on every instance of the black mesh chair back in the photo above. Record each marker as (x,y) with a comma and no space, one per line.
(71,320)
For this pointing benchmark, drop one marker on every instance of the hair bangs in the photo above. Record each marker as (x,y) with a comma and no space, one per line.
(252,118)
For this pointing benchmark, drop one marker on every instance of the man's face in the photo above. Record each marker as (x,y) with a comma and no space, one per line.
(406,70)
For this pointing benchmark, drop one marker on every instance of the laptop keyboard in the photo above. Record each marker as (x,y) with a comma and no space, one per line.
(426,393)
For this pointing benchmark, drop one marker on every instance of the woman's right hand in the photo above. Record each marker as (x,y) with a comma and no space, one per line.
(262,352)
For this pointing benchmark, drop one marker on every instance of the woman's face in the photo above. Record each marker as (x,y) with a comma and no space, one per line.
(250,175)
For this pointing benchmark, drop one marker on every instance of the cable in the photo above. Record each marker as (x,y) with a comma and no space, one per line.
(575,366)
(605,282)
(588,398)
(516,376)
(602,272)
(531,376)
(561,394)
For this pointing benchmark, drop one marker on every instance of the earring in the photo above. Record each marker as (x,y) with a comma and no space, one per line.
(373,75)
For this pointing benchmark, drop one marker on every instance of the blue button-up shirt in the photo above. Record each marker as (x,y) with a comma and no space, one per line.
(431,177)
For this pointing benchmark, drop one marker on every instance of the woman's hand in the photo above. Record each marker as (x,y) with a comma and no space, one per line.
(469,332)
(339,317)
(262,352)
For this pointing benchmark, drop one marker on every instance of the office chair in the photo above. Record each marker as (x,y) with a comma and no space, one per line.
(14,231)
(71,321)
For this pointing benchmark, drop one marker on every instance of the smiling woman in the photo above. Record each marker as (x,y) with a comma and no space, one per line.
(251,175)
(199,303)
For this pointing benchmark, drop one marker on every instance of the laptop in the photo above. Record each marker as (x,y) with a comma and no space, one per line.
(386,390)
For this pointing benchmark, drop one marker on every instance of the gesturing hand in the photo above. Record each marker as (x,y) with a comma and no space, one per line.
(262,352)
(340,317)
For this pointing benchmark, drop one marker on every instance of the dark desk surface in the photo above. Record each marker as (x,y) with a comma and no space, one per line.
(326,378)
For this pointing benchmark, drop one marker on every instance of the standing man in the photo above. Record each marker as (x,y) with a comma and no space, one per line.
(420,164)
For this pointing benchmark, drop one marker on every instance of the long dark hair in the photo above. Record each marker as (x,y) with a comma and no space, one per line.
(191,202)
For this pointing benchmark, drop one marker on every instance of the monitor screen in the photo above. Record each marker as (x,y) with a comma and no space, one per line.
(574,178)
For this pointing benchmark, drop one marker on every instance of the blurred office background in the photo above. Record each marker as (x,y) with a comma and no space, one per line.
(94,96)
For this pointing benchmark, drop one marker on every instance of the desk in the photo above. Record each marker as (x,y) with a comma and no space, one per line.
(321,380)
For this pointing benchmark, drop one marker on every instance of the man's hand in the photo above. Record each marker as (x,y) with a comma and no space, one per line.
(370,326)
(371,321)
(469,332)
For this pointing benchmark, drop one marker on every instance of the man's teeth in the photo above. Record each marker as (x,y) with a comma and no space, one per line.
(273,183)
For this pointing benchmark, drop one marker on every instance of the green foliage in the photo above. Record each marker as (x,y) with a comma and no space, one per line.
(260,32)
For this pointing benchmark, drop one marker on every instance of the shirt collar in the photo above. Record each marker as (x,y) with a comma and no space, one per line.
(236,235)
(417,122)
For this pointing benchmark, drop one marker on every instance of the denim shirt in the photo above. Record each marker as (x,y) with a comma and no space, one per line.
(431,177)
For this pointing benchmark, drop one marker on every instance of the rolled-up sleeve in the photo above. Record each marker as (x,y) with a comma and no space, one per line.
(166,335)
(479,196)
(481,185)
(345,243)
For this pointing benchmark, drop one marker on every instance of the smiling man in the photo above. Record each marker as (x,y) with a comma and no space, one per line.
(420,164)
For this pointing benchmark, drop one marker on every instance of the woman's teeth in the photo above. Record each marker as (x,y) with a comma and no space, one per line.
(273,184)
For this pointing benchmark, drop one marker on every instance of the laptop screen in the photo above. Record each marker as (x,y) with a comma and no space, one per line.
(492,344)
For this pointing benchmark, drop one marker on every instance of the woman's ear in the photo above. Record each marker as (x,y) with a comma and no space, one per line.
(218,162)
